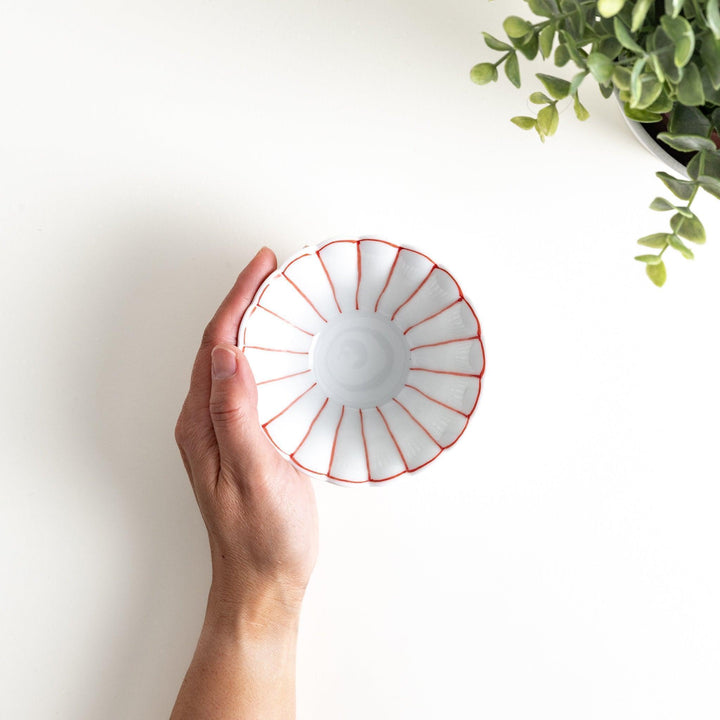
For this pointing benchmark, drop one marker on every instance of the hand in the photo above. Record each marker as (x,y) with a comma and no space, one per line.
(260,512)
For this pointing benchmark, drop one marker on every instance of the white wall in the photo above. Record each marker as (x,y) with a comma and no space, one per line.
(560,562)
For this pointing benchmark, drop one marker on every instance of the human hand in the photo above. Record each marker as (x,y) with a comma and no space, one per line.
(259,511)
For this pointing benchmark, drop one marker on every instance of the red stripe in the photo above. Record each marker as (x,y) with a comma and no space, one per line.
(445,372)
(289,406)
(332,287)
(337,430)
(419,424)
(284,377)
(292,352)
(305,437)
(362,432)
(444,342)
(285,320)
(402,457)
(305,296)
(449,407)
(430,317)
(412,295)
(387,282)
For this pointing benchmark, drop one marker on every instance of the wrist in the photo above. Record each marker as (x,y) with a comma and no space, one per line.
(252,612)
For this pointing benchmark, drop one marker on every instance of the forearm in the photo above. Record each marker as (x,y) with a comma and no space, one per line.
(243,667)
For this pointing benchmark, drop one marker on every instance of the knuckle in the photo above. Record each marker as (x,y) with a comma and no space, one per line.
(181,431)
(209,335)
(223,413)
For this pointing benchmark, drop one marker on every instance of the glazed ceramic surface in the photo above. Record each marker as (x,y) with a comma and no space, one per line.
(367,357)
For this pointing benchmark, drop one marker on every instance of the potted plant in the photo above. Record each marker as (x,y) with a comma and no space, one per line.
(661,59)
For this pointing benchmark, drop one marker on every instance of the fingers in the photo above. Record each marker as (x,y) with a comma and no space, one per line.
(233,411)
(223,328)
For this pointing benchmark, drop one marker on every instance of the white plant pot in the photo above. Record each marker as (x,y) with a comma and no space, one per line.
(653,147)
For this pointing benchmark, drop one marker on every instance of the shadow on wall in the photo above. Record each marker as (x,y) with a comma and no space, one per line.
(147,329)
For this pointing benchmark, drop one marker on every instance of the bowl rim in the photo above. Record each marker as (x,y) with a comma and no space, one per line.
(315,249)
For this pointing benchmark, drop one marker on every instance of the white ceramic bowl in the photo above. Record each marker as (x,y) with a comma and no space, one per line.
(367,357)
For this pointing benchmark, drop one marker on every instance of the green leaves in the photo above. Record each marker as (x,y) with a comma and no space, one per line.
(523,121)
(663,61)
(601,67)
(494,44)
(545,39)
(690,88)
(657,273)
(516,27)
(661,204)
(557,87)
(483,73)
(681,33)
(656,240)
(688,227)
(512,69)
(686,143)
(713,18)
(624,37)
(608,8)
(547,120)
(682,189)
(639,13)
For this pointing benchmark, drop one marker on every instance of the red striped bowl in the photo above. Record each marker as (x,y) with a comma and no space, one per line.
(367,357)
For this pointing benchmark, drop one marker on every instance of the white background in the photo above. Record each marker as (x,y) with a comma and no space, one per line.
(560,562)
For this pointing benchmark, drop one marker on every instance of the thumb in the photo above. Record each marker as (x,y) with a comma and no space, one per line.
(233,405)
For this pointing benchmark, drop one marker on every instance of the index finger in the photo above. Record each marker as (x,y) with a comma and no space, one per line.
(224,326)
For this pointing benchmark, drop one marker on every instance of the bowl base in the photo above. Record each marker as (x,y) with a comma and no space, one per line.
(360,359)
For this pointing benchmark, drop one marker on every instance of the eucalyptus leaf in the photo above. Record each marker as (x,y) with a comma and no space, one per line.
(649,259)
(539,98)
(562,56)
(639,13)
(601,67)
(621,78)
(688,227)
(688,121)
(524,122)
(682,189)
(577,81)
(710,185)
(661,204)
(683,37)
(494,44)
(673,7)
(641,116)
(650,89)
(547,120)
(609,8)
(710,54)
(677,244)
(546,38)
(557,87)
(516,27)
(581,112)
(624,37)
(686,143)
(657,273)
(712,13)
(512,69)
(690,89)
(656,240)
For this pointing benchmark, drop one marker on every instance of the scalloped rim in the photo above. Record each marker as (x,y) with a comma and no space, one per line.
(315,250)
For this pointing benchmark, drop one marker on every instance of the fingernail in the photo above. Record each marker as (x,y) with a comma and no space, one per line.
(264,247)
(224,363)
